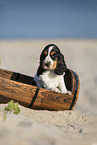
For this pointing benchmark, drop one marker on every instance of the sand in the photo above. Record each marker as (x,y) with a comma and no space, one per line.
(33,127)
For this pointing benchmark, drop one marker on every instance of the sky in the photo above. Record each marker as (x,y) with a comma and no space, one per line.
(48,19)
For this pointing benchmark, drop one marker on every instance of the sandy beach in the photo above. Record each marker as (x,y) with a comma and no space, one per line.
(34,127)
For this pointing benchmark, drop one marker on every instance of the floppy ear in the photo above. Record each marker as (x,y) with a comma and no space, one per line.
(61,65)
(40,69)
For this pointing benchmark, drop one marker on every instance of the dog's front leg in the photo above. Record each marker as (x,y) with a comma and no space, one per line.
(63,88)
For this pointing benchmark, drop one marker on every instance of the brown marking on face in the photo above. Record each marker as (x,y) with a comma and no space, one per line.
(54,65)
(52,53)
(45,52)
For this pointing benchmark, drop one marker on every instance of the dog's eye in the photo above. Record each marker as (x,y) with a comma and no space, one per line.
(53,53)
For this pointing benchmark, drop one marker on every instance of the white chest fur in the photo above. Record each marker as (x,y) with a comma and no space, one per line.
(52,81)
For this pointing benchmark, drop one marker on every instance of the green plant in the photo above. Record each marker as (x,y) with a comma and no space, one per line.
(11,107)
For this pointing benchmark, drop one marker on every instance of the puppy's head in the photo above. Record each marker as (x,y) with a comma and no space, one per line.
(52,59)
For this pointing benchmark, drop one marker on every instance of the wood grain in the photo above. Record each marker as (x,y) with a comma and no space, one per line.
(5,73)
(23,92)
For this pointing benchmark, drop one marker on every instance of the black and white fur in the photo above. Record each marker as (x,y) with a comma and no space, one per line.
(51,71)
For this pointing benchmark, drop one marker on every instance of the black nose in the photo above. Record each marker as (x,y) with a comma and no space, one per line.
(47,63)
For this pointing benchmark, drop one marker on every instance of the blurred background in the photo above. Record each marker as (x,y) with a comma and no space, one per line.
(48,19)
(27,26)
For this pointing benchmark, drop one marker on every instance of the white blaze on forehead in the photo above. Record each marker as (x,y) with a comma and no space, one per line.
(48,58)
(50,49)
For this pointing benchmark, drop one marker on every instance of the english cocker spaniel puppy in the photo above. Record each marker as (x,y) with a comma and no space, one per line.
(51,71)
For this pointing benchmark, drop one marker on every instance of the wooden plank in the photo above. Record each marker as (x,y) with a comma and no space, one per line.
(18,89)
(76,92)
(5,73)
(16,77)
(23,93)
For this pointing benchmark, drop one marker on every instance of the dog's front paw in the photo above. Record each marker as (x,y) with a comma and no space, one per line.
(69,93)
(56,90)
